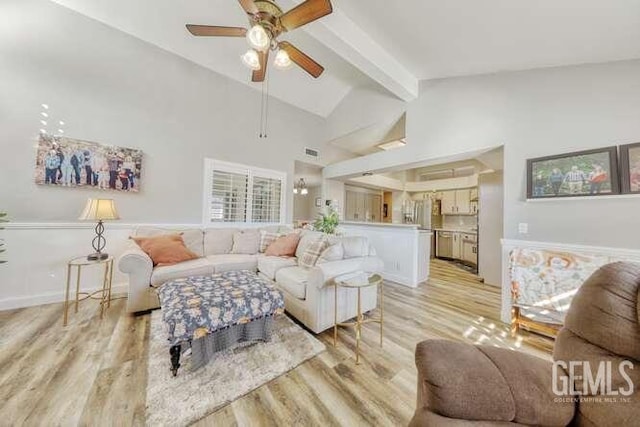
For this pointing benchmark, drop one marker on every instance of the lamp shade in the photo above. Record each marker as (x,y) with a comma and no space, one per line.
(99,209)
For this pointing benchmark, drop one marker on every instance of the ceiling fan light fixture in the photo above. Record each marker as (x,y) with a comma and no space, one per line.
(251,59)
(258,38)
(282,61)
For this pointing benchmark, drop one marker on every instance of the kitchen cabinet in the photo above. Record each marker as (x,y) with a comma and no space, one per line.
(376,208)
(469,248)
(363,207)
(456,248)
(459,202)
(448,205)
(457,245)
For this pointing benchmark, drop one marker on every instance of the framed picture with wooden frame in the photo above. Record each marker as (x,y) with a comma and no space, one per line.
(630,168)
(577,174)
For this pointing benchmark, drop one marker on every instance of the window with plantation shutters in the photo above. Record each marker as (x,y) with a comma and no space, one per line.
(242,194)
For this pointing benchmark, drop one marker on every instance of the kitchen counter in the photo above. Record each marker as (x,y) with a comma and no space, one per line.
(405,249)
(380,224)
(454,230)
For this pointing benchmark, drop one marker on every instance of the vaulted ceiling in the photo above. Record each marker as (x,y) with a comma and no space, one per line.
(393,44)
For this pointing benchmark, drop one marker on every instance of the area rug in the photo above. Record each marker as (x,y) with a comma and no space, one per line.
(190,396)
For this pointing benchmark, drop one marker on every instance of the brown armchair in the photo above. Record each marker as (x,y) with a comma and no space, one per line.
(465,385)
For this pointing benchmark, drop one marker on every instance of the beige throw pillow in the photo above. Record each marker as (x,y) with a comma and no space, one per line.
(312,253)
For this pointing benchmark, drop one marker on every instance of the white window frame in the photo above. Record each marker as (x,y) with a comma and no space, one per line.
(212,164)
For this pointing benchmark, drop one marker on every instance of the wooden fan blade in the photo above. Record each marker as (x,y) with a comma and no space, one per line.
(258,75)
(211,30)
(249,6)
(303,60)
(305,12)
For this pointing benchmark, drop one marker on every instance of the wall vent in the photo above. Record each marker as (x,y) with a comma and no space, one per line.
(311,152)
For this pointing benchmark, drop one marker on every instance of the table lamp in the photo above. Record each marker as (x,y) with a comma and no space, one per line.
(100,210)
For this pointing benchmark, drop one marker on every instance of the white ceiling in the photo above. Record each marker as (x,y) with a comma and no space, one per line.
(394,44)
(435,38)
(162,23)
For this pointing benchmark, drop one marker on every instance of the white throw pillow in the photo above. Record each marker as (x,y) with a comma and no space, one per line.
(246,242)
(334,252)
(355,246)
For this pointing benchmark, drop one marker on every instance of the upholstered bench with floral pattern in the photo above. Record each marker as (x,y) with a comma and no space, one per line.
(212,313)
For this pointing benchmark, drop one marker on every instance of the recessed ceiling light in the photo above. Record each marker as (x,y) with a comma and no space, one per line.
(45,106)
(44,123)
(61,123)
(392,144)
(60,131)
(43,131)
(43,114)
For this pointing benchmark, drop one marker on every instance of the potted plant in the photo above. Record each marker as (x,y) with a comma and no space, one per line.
(327,223)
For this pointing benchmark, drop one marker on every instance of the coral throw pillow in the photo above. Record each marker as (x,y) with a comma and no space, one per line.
(164,250)
(284,246)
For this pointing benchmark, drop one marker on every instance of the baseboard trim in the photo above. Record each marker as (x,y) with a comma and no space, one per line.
(50,298)
(401,280)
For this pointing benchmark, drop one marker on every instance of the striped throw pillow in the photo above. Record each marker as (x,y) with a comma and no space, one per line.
(312,253)
(267,238)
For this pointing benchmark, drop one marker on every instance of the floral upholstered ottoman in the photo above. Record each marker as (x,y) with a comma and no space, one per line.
(212,313)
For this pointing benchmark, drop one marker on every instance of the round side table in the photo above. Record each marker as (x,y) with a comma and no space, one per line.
(358,281)
(104,294)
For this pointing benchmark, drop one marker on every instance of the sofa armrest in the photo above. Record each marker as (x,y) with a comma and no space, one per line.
(323,274)
(135,261)
(484,383)
(138,265)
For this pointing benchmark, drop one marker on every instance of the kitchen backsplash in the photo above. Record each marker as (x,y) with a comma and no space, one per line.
(459,221)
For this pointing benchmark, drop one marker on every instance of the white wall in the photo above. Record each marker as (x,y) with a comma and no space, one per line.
(304,206)
(112,88)
(532,113)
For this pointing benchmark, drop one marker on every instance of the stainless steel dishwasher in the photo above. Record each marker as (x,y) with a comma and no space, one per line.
(444,244)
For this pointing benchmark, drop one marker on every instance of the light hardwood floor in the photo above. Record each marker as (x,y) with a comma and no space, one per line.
(93,372)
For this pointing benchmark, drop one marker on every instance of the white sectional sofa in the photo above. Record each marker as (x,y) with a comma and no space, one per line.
(309,296)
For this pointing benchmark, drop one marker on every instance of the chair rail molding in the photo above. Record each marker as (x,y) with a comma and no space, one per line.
(509,244)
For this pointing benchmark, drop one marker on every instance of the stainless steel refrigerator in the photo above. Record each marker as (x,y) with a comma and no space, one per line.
(426,213)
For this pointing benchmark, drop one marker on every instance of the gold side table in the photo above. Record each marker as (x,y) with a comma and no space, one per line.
(358,281)
(104,294)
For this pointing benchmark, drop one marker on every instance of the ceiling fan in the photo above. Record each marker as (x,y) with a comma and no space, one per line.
(267,22)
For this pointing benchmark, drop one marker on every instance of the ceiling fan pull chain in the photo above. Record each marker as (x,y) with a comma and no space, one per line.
(261,108)
(266,112)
